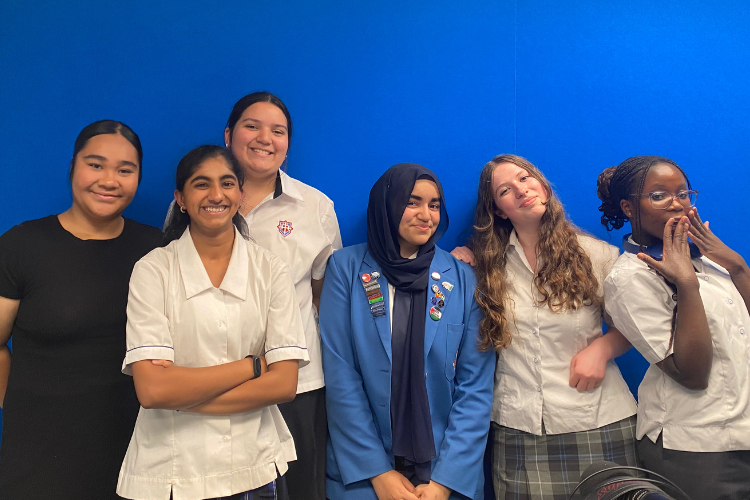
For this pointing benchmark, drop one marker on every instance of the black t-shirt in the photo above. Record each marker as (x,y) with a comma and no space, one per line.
(68,412)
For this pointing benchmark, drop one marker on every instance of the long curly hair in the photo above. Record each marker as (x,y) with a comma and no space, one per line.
(565,279)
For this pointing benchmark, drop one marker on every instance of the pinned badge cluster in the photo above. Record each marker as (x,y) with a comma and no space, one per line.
(438,298)
(373,293)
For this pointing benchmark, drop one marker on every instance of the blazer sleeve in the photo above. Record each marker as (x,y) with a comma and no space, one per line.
(459,464)
(357,447)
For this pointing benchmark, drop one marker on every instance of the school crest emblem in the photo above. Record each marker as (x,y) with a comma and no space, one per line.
(285,228)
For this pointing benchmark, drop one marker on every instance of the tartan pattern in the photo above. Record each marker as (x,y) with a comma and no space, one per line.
(548,467)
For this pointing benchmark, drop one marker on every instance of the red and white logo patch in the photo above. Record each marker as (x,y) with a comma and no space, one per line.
(285,228)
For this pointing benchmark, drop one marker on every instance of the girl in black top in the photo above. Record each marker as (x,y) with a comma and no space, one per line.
(68,412)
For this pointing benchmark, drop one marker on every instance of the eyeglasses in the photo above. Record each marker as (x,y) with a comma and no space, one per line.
(662,200)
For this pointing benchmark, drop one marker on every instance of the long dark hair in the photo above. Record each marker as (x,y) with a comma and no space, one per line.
(624,182)
(178,221)
(250,99)
(106,127)
(565,279)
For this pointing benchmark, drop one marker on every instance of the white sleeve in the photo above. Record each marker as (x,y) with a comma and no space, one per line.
(330,225)
(641,306)
(285,337)
(147,330)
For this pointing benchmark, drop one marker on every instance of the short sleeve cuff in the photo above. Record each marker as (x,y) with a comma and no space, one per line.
(146,352)
(287,353)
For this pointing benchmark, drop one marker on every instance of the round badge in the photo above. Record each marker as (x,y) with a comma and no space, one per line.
(375,275)
(441,303)
(435,289)
(435,275)
(435,313)
(434,301)
(366,278)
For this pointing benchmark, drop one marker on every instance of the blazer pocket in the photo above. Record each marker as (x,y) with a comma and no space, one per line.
(452,343)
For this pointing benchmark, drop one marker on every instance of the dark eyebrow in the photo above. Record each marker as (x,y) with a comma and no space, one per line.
(123,163)
(258,121)
(208,179)
(419,198)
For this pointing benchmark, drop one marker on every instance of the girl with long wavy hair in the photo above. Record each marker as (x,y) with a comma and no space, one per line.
(684,305)
(560,402)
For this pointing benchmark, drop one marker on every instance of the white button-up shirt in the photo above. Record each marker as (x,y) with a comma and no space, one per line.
(175,313)
(298,224)
(532,375)
(712,420)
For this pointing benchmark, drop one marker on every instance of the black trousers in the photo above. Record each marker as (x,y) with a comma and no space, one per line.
(702,475)
(306,418)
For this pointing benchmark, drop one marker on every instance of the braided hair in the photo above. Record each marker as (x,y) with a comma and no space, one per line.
(621,183)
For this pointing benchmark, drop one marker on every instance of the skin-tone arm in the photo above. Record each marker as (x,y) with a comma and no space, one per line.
(713,248)
(178,387)
(588,367)
(278,385)
(690,363)
(393,485)
(317,287)
(8,311)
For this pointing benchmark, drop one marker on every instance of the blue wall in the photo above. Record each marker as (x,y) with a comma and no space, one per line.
(575,86)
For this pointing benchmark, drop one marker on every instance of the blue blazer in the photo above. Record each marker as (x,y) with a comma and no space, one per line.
(357,365)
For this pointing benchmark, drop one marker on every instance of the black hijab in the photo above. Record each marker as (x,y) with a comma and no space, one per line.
(411,424)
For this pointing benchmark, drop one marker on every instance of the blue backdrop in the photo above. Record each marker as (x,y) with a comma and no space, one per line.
(574,86)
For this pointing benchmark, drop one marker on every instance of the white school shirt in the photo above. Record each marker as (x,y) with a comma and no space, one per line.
(712,420)
(175,313)
(532,375)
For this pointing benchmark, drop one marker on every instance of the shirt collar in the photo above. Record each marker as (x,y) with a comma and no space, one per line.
(194,275)
(285,185)
(516,245)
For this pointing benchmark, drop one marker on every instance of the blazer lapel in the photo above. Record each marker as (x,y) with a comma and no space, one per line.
(382,322)
(447,275)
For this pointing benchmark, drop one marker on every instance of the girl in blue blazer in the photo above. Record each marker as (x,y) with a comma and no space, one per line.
(408,391)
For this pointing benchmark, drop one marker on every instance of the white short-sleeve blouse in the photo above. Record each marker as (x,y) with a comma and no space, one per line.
(712,420)
(175,313)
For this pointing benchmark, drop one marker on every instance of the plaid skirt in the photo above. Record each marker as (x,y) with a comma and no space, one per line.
(549,467)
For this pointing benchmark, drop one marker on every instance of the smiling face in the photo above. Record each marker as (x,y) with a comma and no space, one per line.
(421,217)
(105,176)
(518,196)
(259,140)
(211,197)
(661,177)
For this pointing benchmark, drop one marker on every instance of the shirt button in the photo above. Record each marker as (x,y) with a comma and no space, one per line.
(731,301)
(222,361)
(536,360)
(742,331)
(534,331)
(705,278)
(221,323)
(533,304)
(539,388)
(225,438)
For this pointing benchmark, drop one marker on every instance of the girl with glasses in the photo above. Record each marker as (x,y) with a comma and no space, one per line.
(684,305)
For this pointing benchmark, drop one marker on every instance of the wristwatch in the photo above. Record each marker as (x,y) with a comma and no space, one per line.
(256,365)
